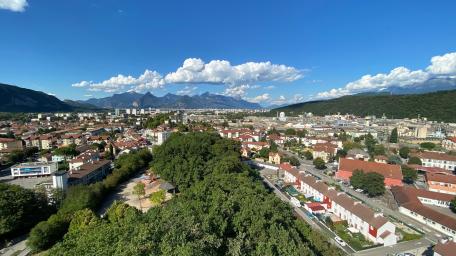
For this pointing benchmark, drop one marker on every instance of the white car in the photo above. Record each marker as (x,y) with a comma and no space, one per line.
(359,190)
(340,241)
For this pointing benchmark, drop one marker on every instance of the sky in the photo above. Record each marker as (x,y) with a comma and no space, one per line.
(270,52)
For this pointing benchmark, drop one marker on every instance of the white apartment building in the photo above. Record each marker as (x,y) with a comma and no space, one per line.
(437,159)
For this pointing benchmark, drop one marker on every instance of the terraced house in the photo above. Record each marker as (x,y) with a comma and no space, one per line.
(372,225)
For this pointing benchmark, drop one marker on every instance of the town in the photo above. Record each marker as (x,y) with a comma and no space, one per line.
(372,184)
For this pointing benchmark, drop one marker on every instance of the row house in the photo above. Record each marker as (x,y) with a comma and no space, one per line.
(231,134)
(449,143)
(10,144)
(255,145)
(275,157)
(98,139)
(437,159)
(413,203)
(45,141)
(326,151)
(69,139)
(392,173)
(277,139)
(373,226)
(88,156)
(443,183)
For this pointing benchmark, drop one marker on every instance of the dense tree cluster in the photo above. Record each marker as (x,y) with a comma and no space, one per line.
(223,209)
(438,106)
(21,209)
(79,197)
(409,174)
(372,183)
(69,150)
(154,122)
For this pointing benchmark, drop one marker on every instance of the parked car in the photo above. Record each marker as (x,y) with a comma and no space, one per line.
(359,190)
(340,241)
(295,202)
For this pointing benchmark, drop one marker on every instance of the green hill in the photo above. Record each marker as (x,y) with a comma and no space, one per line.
(17,99)
(437,106)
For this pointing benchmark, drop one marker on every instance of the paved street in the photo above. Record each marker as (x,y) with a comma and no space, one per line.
(313,222)
(431,235)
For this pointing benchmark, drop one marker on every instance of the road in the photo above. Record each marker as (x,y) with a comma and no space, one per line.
(313,222)
(431,235)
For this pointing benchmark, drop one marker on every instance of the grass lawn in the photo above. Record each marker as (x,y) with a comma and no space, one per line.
(355,240)
(408,236)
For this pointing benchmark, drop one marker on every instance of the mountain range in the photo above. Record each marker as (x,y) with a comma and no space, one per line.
(205,100)
(437,106)
(17,99)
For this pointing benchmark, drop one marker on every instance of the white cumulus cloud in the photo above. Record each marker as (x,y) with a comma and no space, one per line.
(260,98)
(194,70)
(148,80)
(442,67)
(236,78)
(13,5)
(187,90)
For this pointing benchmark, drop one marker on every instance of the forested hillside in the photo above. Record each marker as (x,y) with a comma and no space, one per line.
(437,106)
(222,209)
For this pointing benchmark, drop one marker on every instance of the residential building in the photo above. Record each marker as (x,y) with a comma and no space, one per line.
(33,169)
(437,159)
(392,173)
(46,141)
(449,143)
(412,202)
(89,172)
(275,157)
(445,249)
(442,183)
(373,226)
(326,151)
(10,144)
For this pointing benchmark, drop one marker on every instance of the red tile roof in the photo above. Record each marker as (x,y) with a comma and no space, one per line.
(434,155)
(444,178)
(387,170)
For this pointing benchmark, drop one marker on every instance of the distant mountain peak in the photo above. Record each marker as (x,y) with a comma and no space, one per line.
(169,100)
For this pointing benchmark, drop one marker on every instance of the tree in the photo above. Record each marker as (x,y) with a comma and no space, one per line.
(370,143)
(21,209)
(16,156)
(319,163)
(379,150)
(394,159)
(357,179)
(139,191)
(157,197)
(290,131)
(404,152)
(308,155)
(292,160)
(67,151)
(393,136)
(409,174)
(301,133)
(264,153)
(414,160)
(341,153)
(427,145)
(374,184)
(453,205)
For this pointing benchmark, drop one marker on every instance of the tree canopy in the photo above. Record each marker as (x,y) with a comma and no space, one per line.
(223,209)
(21,209)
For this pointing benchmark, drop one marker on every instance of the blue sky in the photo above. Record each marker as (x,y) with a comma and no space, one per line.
(272,52)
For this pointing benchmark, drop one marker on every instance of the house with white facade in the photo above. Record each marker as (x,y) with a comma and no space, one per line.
(437,159)
(413,203)
(373,226)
